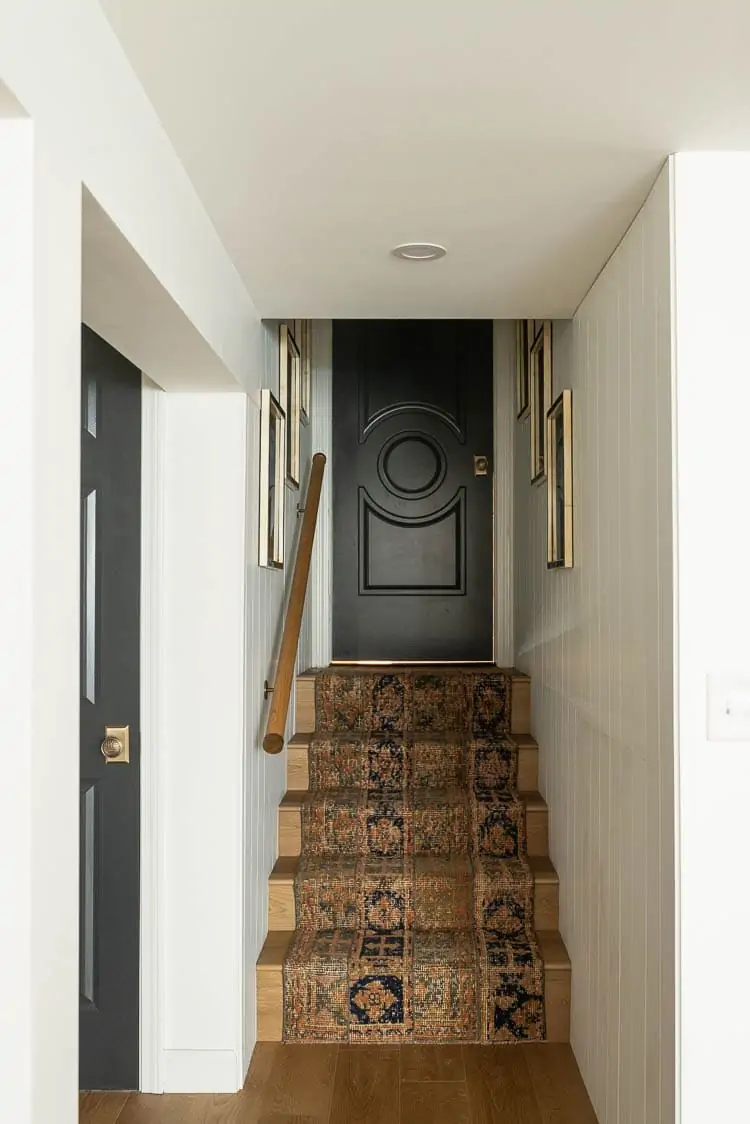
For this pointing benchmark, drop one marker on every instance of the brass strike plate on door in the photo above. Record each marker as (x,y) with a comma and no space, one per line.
(481,466)
(116,745)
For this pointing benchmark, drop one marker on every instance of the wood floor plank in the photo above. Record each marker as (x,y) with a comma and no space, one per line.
(261,1065)
(499,1085)
(311,1084)
(100,1108)
(301,1081)
(434,1102)
(181,1108)
(367,1085)
(432,1063)
(558,1086)
(285,1118)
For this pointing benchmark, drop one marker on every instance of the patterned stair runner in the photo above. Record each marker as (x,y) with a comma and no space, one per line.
(414,900)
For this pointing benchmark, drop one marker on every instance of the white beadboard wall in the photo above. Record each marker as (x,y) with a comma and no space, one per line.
(265,776)
(597,641)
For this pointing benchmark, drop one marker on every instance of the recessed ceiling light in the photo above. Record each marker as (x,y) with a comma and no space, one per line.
(419,251)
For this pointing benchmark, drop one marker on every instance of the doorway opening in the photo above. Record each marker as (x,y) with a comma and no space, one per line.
(413,491)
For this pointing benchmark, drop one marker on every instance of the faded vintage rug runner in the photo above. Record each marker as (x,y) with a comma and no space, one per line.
(414,900)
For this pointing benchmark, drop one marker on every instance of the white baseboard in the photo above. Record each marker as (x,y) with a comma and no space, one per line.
(200,1071)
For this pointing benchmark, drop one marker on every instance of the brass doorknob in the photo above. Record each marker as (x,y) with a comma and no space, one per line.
(116,745)
(111,748)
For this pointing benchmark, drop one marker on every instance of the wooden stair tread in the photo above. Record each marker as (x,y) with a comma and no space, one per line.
(542,869)
(551,946)
(269,976)
(274,950)
(301,740)
(295,798)
(286,867)
(553,950)
(282,913)
(290,822)
(524,741)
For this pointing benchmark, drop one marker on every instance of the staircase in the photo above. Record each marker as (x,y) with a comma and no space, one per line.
(413,898)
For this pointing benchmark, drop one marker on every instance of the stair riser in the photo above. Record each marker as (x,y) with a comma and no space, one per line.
(520,721)
(298,770)
(290,831)
(282,914)
(271,1004)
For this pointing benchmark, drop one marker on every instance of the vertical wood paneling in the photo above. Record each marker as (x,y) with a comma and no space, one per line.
(265,775)
(596,641)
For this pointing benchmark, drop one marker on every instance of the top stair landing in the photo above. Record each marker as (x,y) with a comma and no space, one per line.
(520,702)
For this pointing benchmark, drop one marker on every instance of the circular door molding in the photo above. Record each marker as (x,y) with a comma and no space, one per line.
(412,465)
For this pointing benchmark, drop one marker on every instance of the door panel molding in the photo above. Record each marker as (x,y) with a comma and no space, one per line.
(450,520)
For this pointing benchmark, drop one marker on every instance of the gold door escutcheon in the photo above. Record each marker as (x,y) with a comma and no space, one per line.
(115,747)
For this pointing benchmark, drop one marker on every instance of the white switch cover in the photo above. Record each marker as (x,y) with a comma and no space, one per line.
(729,706)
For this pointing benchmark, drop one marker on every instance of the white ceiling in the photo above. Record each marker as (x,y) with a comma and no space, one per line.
(521,134)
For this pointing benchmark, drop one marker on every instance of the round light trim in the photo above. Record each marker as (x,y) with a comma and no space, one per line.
(419,251)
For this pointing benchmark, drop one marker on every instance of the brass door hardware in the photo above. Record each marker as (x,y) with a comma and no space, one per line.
(116,745)
(481,465)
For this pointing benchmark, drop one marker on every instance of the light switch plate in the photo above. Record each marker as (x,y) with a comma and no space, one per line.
(728,706)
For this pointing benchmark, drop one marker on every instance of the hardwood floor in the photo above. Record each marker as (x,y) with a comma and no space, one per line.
(303,1084)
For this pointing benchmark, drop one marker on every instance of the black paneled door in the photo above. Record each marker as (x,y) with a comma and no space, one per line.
(110,697)
(412,486)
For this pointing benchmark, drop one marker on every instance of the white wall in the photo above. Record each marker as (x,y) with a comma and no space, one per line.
(712,243)
(40,513)
(65,65)
(202,692)
(92,128)
(597,641)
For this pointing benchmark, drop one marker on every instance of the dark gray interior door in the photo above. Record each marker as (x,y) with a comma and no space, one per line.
(412,490)
(110,697)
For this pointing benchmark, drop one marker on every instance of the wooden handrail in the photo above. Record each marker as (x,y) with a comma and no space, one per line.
(273,742)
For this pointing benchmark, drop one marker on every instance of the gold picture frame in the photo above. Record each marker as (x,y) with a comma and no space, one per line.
(289,395)
(305,403)
(540,398)
(524,336)
(560,483)
(271,487)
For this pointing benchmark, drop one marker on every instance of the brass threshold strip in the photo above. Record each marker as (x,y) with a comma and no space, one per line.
(412,663)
